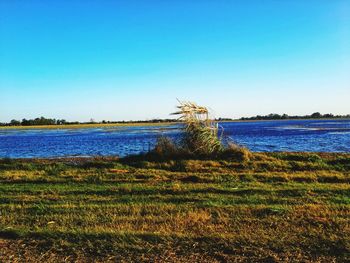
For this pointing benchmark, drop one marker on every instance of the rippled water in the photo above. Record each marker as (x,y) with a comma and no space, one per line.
(296,135)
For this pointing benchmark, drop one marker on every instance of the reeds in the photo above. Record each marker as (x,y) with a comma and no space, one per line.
(201,138)
(201,132)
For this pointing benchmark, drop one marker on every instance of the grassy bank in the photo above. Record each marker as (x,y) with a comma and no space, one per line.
(276,207)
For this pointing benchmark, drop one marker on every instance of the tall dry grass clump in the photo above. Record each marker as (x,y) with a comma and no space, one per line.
(201,138)
(201,132)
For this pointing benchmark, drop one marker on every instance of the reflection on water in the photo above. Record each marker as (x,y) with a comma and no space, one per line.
(296,135)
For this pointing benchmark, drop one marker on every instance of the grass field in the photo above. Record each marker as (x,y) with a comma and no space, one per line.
(276,207)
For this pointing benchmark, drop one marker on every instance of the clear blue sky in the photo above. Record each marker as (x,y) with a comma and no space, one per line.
(121,60)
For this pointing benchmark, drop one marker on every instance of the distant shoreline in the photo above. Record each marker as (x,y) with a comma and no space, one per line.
(297,119)
(87,125)
(135,124)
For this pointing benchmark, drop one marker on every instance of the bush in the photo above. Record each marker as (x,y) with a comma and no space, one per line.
(236,153)
(165,146)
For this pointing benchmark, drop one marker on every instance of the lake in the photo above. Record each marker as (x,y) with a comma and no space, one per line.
(260,136)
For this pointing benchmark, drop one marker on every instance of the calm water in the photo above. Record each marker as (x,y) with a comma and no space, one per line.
(298,135)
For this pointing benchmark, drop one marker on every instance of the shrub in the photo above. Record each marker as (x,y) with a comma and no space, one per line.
(165,146)
(236,153)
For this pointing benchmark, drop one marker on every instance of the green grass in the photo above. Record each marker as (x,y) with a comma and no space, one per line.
(278,207)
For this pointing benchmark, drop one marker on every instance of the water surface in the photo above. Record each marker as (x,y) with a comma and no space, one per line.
(264,136)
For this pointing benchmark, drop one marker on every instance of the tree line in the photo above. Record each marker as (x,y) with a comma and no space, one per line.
(48,121)
(36,121)
(272,116)
(315,115)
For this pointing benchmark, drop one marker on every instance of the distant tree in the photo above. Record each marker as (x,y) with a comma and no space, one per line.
(316,115)
(328,115)
(15,123)
(61,122)
(25,122)
(285,116)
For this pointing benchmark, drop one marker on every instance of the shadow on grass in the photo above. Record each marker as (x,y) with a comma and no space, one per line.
(135,245)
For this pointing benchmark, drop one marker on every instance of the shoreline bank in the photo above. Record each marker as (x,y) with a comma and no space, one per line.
(131,124)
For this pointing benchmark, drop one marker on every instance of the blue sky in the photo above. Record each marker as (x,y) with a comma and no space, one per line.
(122,60)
